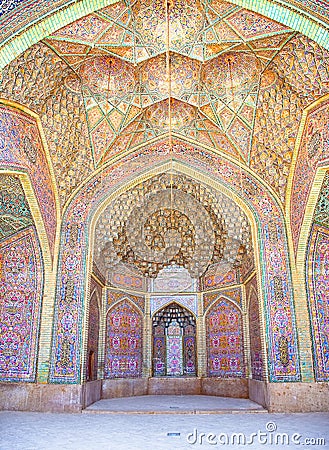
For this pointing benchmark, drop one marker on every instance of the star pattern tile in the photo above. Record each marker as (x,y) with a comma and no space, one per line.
(217,54)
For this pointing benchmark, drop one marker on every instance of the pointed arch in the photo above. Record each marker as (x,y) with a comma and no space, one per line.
(309,165)
(174,341)
(123,342)
(225,337)
(245,188)
(257,356)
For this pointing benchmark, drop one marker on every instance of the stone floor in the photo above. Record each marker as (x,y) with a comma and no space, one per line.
(150,431)
(174,404)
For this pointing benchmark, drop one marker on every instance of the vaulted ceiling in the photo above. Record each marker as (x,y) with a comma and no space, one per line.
(207,58)
(205,71)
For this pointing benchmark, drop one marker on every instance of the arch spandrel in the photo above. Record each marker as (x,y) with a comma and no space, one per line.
(25,150)
(308,168)
(269,236)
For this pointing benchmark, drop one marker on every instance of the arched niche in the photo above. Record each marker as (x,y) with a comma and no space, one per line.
(174,342)
(224,332)
(317,282)
(24,150)
(256,339)
(123,341)
(21,283)
(269,238)
(93,336)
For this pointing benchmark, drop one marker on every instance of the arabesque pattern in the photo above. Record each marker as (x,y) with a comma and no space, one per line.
(225,341)
(21,290)
(318,293)
(123,342)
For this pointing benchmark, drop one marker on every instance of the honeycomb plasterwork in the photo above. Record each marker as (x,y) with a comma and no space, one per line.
(297,76)
(274,256)
(138,31)
(172,228)
(40,80)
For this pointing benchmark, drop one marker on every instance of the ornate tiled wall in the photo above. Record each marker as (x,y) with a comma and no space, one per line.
(21,287)
(21,284)
(21,148)
(313,152)
(255,334)
(318,283)
(127,281)
(224,333)
(123,348)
